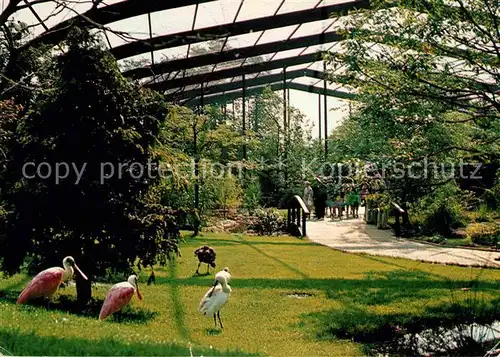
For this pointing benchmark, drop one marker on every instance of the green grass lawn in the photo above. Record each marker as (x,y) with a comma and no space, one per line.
(347,295)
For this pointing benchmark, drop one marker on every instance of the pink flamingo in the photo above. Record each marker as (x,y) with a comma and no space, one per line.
(119,295)
(46,283)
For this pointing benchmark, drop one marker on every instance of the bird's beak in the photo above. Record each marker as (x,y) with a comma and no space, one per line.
(81,272)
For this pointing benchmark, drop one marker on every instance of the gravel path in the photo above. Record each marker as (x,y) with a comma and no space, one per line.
(353,235)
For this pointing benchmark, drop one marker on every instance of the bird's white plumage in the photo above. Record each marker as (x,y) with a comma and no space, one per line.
(210,305)
(223,274)
(216,298)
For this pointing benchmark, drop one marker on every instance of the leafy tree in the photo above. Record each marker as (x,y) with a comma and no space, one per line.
(104,212)
(198,142)
(427,75)
(228,192)
(281,150)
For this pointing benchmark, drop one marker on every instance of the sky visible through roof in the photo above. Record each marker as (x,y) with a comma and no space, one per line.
(211,14)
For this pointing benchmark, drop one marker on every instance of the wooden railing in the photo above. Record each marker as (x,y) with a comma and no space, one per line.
(399,213)
(297,216)
(379,217)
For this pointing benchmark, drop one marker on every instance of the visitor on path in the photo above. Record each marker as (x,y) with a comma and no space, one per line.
(353,201)
(320,197)
(309,196)
(331,192)
(364,192)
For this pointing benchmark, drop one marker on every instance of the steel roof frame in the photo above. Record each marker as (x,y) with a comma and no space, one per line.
(130,8)
(225,87)
(235,71)
(222,97)
(234,29)
(233,54)
(108,14)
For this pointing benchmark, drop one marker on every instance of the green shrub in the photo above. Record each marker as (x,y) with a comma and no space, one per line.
(228,192)
(484,214)
(268,222)
(487,234)
(251,200)
(441,211)
(436,238)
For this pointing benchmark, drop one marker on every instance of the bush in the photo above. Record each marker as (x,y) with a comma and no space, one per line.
(251,200)
(268,222)
(436,238)
(440,212)
(487,234)
(484,214)
(228,192)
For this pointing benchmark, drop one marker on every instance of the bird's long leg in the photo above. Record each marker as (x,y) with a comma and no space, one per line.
(220,322)
(199,263)
(215,320)
(208,268)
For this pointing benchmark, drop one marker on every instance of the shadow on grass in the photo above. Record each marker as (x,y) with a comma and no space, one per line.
(222,242)
(284,264)
(445,326)
(213,331)
(70,305)
(379,288)
(19,343)
(179,313)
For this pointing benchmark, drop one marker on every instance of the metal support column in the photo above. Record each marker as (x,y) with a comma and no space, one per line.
(325,111)
(196,155)
(285,124)
(244,119)
(150,38)
(319,116)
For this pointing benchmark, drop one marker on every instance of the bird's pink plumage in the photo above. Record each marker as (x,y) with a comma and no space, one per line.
(116,299)
(44,284)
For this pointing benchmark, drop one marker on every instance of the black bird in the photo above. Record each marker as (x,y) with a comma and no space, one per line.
(205,255)
(152,278)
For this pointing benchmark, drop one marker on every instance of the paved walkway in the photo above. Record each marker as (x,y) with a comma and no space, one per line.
(353,235)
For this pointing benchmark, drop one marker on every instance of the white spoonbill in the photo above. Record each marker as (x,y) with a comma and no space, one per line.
(217,296)
(46,283)
(119,295)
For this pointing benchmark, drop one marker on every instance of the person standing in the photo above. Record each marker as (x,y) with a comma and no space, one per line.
(309,196)
(320,197)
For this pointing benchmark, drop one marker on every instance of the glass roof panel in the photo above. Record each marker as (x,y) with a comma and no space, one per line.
(170,53)
(206,47)
(316,66)
(245,40)
(28,18)
(286,54)
(131,29)
(297,5)
(296,67)
(216,13)
(52,16)
(252,9)
(109,2)
(140,60)
(307,81)
(277,34)
(312,28)
(172,20)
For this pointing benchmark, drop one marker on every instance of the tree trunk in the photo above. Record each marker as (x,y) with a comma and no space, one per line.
(83,289)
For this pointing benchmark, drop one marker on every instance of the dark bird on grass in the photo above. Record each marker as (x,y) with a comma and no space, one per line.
(152,278)
(205,255)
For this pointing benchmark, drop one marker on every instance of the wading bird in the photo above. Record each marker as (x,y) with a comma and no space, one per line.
(119,295)
(46,283)
(205,255)
(217,296)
